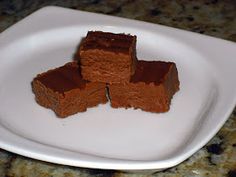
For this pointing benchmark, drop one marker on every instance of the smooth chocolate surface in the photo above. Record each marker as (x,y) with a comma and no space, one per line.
(63,79)
(151,71)
(119,43)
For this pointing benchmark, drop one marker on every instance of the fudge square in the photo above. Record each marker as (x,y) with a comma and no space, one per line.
(150,88)
(65,92)
(107,57)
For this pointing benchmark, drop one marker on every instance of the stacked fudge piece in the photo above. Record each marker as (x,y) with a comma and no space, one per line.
(150,88)
(65,91)
(107,60)
(108,57)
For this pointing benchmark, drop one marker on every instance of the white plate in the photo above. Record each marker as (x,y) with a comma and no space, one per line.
(104,137)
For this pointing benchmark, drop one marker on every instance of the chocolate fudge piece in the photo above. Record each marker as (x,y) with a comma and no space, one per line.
(107,57)
(150,88)
(65,92)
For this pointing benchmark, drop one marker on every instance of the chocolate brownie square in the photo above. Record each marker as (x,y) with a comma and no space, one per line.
(150,88)
(107,57)
(65,92)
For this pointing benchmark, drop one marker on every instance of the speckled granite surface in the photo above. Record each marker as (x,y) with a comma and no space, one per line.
(211,17)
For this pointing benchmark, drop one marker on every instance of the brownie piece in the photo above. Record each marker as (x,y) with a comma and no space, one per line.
(150,88)
(107,57)
(65,92)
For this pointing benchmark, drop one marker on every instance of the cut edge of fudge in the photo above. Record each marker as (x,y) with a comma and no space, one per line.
(151,87)
(64,91)
(107,57)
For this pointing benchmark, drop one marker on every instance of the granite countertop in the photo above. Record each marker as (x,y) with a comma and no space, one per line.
(211,17)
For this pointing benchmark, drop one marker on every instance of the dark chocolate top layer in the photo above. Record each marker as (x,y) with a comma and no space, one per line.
(151,71)
(63,79)
(120,43)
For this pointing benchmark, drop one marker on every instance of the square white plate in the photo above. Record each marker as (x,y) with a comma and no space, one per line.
(104,137)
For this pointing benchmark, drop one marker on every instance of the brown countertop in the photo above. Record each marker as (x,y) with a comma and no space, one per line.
(211,17)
